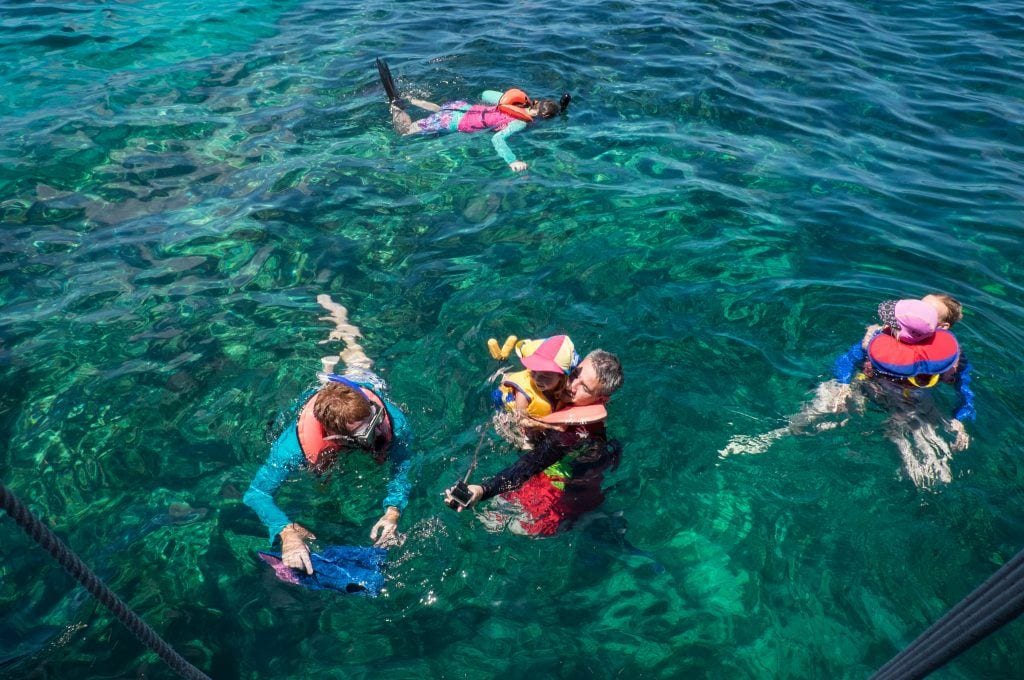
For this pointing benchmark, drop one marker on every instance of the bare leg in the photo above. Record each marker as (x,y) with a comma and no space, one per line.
(401,120)
(424,104)
(934,451)
(352,354)
(830,398)
(925,456)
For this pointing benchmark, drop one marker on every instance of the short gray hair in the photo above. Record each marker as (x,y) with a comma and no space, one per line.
(608,370)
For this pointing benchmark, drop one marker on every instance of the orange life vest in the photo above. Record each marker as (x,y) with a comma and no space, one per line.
(514,103)
(312,438)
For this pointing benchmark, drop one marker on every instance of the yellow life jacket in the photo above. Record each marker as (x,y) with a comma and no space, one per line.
(520,381)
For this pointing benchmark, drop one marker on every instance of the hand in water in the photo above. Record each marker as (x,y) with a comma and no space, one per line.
(384,533)
(963,440)
(833,396)
(294,552)
(517,166)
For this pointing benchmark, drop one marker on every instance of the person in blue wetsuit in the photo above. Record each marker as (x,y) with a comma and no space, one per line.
(348,415)
(894,365)
(503,113)
(850,367)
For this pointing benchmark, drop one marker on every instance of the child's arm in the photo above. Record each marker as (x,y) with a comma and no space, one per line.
(500,143)
(847,365)
(962,380)
(490,97)
(424,104)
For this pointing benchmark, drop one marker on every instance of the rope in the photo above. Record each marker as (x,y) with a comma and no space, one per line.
(996,602)
(476,451)
(101,591)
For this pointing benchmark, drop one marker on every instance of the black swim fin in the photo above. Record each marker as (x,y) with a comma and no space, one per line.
(389,83)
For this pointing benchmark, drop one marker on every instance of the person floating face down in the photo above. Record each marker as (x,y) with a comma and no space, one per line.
(347,416)
(534,391)
(590,384)
(503,113)
(914,349)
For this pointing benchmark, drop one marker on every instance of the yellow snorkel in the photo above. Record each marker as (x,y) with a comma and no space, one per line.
(501,353)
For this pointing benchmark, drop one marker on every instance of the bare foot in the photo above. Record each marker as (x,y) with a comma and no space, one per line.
(352,354)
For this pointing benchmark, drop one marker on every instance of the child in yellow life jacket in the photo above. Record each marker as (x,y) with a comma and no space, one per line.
(534,391)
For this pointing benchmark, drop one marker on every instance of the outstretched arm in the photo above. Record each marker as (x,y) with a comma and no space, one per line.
(965,409)
(500,142)
(285,457)
(847,365)
(424,104)
(385,532)
(549,450)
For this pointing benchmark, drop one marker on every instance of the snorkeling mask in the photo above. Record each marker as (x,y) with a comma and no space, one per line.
(366,436)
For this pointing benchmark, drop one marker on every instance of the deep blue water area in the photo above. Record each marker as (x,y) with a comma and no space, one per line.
(733,190)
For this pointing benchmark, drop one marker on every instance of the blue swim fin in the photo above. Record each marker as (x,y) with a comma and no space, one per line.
(344,568)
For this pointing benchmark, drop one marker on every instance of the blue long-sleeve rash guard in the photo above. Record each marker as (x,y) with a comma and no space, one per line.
(848,364)
(286,456)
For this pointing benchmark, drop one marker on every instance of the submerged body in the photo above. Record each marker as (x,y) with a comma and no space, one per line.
(552,485)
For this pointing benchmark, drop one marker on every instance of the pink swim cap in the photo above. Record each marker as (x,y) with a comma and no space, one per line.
(914,320)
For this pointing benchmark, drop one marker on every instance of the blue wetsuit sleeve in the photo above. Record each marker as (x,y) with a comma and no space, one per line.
(285,457)
(401,457)
(500,140)
(847,365)
(965,410)
(490,97)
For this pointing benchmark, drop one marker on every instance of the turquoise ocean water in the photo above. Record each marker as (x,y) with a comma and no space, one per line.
(736,186)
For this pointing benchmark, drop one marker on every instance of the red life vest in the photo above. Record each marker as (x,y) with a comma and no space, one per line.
(312,438)
(918,363)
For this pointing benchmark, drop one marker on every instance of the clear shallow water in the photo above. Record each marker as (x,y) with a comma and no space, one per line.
(736,186)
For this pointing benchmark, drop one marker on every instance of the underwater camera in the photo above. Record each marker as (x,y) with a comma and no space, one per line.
(461,496)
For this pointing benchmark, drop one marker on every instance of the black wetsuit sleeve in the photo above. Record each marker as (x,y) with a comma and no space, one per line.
(546,452)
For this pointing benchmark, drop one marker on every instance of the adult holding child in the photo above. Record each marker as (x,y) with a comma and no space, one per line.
(559,476)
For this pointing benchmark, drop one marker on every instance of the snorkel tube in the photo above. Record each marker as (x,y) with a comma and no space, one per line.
(563,103)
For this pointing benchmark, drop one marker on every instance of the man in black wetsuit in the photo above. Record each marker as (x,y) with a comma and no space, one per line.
(560,478)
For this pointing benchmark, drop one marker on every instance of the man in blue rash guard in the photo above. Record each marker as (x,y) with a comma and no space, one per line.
(348,414)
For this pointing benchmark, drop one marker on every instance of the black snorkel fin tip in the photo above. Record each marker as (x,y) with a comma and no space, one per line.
(394,98)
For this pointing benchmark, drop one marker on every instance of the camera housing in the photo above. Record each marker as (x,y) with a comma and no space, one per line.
(461,496)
